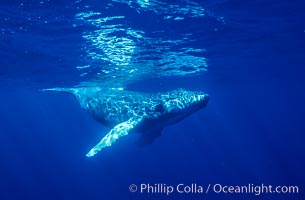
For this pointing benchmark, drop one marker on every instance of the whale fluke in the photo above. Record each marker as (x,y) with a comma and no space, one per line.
(67,90)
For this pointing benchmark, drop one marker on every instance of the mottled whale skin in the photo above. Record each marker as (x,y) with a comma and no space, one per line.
(128,111)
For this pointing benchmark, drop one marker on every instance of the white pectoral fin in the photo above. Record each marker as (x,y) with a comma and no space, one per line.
(114,134)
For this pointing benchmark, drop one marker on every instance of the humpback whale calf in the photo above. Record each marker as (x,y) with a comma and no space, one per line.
(128,111)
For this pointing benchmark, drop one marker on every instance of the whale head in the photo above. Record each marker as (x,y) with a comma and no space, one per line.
(182,103)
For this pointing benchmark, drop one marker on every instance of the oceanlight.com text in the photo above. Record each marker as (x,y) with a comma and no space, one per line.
(255,189)
(195,188)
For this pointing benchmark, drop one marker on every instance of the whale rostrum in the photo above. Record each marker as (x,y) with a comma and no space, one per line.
(129,111)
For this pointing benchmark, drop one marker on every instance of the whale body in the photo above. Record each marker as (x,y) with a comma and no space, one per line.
(128,111)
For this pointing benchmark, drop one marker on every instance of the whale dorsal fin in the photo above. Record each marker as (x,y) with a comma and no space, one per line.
(114,134)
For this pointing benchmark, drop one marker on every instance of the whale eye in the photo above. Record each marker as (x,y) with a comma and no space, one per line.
(159,108)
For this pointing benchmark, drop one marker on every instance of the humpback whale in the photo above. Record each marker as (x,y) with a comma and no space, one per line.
(129,111)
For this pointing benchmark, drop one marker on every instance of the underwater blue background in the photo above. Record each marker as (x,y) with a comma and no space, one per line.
(252,130)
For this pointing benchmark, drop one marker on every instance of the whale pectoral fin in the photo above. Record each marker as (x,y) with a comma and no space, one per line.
(149,136)
(114,134)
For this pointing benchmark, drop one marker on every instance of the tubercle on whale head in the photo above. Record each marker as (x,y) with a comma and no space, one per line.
(195,100)
(203,100)
(182,100)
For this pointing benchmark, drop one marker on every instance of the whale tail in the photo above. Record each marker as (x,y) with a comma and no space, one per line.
(66,90)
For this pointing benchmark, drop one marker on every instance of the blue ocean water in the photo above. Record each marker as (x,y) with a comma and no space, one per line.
(247,55)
